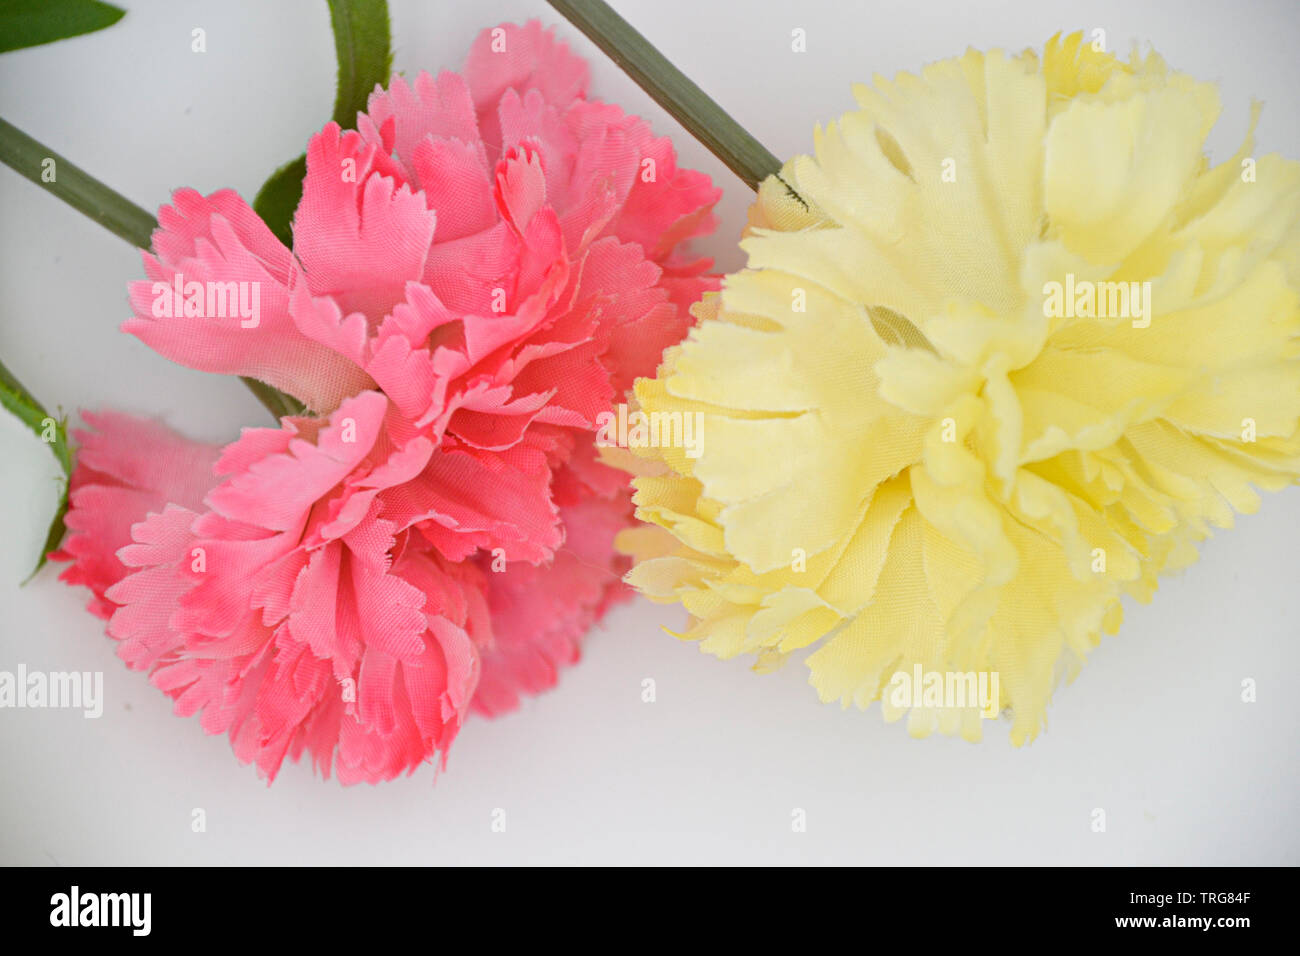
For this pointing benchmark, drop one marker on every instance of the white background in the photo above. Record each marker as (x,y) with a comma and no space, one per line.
(1154,731)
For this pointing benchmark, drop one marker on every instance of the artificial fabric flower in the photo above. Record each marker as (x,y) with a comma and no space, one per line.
(1006,348)
(286,601)
(477,272)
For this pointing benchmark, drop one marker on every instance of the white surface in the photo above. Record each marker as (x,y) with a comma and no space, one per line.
(1154,730)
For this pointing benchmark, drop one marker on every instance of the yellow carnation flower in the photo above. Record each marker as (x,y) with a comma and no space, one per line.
(1007,347)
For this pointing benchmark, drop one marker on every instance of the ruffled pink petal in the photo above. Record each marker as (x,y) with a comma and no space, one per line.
(456,182)
(144,601)
(666,206)
(360,232)
(277,491)
(527,118)
(126,467)
(540,614)
(467,273)
(217,261)
(469,499)
(438,109)
(521,58)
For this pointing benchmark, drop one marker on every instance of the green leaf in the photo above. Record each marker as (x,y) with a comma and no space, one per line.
(25,23)
(32,413)
(279,197)
(19,401)
(361,42)
(53,537)
(278,403)
(361,33)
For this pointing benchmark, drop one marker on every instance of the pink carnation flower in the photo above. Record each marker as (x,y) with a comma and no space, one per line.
(287,606)
(477,272)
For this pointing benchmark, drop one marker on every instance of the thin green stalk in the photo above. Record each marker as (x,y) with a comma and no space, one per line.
(75,186)
(107,207)
(672,89)
(15,398)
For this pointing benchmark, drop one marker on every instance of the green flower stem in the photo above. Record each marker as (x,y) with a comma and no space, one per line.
(15,398)
(672,89)
(111,210)
(75,186)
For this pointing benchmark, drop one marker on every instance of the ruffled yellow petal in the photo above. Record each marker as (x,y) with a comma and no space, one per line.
(1007,349)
